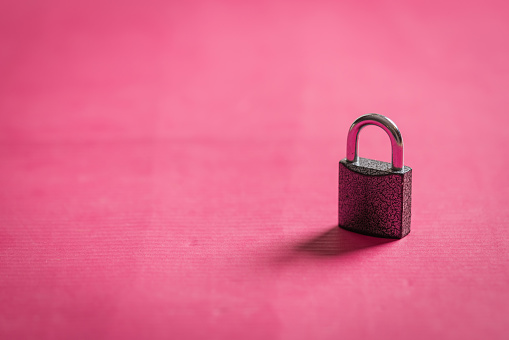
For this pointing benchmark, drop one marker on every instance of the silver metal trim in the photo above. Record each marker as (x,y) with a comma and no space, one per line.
(388,126)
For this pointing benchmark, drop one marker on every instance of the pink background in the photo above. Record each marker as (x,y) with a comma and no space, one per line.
(168,170)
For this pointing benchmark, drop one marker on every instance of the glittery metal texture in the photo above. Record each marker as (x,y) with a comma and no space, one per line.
(373,199)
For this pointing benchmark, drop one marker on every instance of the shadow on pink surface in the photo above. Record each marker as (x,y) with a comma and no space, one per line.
(336,241)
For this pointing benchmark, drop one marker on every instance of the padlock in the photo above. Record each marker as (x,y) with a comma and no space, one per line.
(375,197)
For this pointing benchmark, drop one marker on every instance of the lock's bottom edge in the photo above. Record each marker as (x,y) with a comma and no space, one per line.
(373,235)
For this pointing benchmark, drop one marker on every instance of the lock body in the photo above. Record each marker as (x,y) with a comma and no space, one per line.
(375,199)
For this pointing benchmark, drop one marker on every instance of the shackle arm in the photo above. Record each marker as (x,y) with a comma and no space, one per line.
(388,126)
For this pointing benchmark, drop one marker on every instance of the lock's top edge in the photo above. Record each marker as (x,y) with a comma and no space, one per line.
(373,167)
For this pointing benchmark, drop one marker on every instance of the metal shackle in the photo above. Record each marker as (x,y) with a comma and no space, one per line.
(388,126)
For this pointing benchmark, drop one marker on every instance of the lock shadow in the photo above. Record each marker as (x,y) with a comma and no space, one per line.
(336,241)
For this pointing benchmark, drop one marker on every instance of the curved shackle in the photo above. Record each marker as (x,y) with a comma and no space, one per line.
(388,126)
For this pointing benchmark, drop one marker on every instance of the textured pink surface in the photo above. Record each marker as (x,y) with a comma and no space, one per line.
(169,170)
